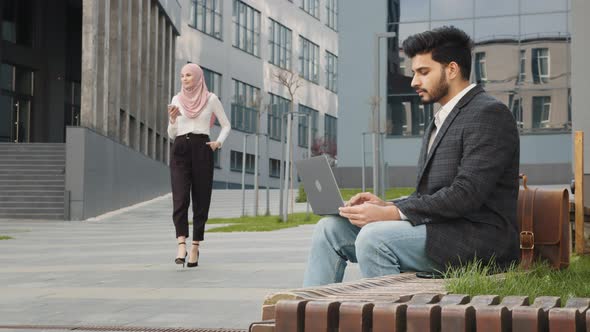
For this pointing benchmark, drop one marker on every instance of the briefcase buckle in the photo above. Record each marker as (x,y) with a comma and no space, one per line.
(527,240)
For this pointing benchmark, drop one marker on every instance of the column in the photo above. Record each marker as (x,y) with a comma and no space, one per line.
(153,74)
(135,102)
(126,50)
(145,68)
(89,63)
(102,66)
(113,88)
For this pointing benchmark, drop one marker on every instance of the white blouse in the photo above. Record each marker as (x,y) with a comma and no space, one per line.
(200,124)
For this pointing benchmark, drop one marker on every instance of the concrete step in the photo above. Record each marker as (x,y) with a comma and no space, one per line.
(32,162)
(35,187)
(26,182)
(31,198)
(36,216)
(31,145)
(45,171)
(32,156)
(31,205)
(32,192)
(31,168)
(32,180)
(32,177)
(41,149)
(53,210)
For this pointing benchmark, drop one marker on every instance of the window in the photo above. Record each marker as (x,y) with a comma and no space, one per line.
(402,65)
(302,133)
(72,103)
(541,111)
(521,67)
(213,81)
(330,132)
(331,72)
(274,168)
(309,60)
(217,159)
(480,67)
(244,107)
(332,14)
(158,147)
(133,132)
(18,22)
(312,7)
(246,28)
(236,162)
(516,108)
(280,45)
(278,107)
(206,17)
(540,65)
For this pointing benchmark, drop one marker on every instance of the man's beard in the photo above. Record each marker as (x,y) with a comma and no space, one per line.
(439,91)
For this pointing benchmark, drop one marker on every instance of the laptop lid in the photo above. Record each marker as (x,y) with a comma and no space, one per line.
(320,185)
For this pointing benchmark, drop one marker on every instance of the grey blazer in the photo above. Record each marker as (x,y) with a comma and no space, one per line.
(467,185)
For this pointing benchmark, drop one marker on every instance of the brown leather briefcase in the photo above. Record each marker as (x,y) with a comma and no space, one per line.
(543,218)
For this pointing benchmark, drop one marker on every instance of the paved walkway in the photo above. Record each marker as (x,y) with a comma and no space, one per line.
(118,269)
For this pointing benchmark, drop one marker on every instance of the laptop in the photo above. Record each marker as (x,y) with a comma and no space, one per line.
(320,185)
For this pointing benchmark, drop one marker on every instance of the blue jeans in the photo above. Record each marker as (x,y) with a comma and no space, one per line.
(380,248)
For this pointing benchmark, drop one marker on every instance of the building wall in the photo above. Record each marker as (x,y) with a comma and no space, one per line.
(127,71)
(103,175)
(45,56)
(546,153)
(218,55)
(580,82)
(580,72)
(356,87)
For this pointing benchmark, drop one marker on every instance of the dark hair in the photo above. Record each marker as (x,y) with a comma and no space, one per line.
(446,43)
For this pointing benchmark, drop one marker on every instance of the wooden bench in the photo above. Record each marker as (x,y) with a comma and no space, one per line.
(405,303)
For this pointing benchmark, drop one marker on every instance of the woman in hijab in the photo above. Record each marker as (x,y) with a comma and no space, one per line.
(191,113)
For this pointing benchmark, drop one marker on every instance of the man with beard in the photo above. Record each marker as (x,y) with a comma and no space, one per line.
(464,205)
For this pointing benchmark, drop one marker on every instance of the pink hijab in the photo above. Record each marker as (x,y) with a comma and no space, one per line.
(194,98)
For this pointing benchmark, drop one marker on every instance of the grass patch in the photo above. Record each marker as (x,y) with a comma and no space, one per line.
(390,193)
(4,237)
(541,280)
(261,223)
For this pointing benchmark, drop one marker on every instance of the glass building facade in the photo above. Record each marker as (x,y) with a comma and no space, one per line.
(521,56)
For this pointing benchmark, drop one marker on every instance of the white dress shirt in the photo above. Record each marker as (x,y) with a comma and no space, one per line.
(200,124)
(439,120)
(441,115)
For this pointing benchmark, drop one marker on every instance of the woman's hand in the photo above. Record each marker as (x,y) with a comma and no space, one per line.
(214,145)
(173,113)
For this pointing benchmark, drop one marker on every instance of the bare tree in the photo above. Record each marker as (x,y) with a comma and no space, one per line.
(292,82)
(289,80)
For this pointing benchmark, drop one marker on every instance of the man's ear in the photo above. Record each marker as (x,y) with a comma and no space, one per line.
(453,70)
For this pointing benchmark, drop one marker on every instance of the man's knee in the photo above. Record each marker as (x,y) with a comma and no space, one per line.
(380,237)
(367,241)
(327,226)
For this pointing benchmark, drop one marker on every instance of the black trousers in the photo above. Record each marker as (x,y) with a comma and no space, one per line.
(191,171)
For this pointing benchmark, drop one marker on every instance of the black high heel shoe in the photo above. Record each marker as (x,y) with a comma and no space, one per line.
(189,264)
(179,260)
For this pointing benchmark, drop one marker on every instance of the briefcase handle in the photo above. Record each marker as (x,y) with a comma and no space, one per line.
(524,178)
